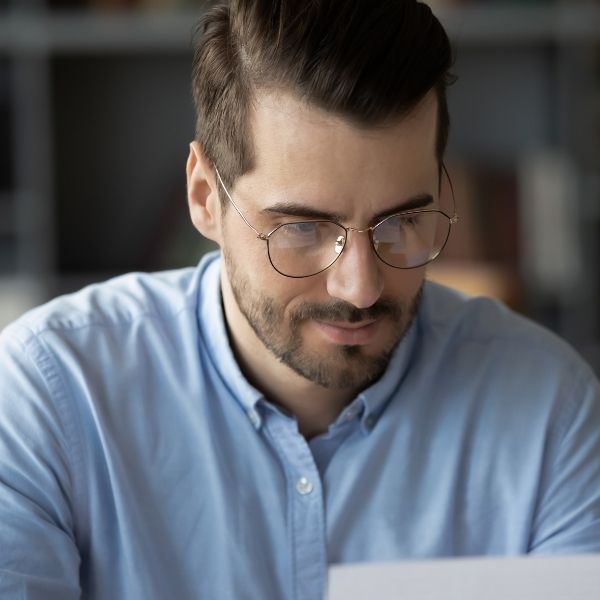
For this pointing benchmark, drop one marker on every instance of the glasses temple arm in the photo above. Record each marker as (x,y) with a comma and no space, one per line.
(260,235)
(454,217)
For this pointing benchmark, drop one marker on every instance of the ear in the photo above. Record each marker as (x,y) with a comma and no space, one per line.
(202,193)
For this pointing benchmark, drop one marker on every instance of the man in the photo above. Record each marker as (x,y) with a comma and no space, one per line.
(303,398)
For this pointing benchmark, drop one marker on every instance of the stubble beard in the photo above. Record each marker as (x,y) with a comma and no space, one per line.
(341,367)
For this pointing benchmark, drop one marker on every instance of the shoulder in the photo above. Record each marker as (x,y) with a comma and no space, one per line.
(121,303)
(123,338)
(485,336)
(456,316)
(514,374)
(118,301)
(117,310)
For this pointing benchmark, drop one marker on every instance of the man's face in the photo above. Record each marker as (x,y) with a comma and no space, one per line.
(337,328)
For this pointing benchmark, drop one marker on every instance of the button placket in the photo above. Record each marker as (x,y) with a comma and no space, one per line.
(253,417)
(307,506)
(351,413)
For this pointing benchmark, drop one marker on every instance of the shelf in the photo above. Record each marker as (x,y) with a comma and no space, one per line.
(93,32)
(478,279)
(494,24)
(37,32)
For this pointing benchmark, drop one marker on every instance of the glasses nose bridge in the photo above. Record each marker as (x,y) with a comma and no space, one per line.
(368,230)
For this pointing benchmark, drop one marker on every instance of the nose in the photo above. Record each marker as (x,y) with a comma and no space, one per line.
(356,275)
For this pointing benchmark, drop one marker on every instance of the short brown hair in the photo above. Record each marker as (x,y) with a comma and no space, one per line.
(369,61)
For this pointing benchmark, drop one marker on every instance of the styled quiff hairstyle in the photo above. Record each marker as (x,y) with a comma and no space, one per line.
(368,61)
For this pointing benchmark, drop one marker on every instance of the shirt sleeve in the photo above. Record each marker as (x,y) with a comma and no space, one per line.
(567,519)
(39,559)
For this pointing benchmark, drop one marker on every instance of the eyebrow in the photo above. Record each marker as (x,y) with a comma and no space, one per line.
(295,209)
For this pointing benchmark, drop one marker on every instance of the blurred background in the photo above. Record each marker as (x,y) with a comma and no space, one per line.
(96,117)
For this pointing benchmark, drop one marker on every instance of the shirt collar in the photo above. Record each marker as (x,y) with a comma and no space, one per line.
(376,397)
(213,333)
(370,403)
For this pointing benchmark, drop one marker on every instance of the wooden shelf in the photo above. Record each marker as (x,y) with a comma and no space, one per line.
(477,279)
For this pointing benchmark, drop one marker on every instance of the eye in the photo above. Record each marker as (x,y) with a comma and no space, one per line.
(302,228)
(408,219)
(297,235)
(396,227)
(402,221)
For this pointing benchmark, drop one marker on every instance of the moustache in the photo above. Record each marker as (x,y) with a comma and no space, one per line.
(344,311)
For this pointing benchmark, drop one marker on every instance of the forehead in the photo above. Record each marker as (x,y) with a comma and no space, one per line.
(302,150)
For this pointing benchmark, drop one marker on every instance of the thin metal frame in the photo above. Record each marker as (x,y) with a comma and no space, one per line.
(265,236)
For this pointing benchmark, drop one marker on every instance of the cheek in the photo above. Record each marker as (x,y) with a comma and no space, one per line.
(289,292)
(244,250)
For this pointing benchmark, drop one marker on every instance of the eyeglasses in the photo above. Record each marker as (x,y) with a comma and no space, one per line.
(405,240)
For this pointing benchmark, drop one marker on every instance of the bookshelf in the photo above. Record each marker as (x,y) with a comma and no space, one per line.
(96,115)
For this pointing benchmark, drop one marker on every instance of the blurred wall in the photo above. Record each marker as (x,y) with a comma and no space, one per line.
(96,117)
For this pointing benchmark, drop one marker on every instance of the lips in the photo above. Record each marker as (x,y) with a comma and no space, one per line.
(348,334)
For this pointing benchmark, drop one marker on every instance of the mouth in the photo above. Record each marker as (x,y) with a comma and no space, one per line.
(348,334)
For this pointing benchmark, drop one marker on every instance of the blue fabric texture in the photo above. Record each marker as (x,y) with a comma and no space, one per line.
(137,462)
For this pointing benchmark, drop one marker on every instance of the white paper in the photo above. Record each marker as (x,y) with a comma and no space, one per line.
(504,578)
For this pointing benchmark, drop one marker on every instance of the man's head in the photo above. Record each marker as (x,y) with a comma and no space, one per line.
(320,109)
(367,61)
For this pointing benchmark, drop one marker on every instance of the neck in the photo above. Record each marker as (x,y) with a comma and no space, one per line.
(314,406)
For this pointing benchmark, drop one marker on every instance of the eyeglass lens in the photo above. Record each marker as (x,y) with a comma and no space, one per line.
(404,241)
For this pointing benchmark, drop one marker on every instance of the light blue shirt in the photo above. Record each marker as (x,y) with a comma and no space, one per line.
(137,462)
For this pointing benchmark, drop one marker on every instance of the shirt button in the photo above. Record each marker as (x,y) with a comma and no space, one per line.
(304,486)
(351,413)
(253,417)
